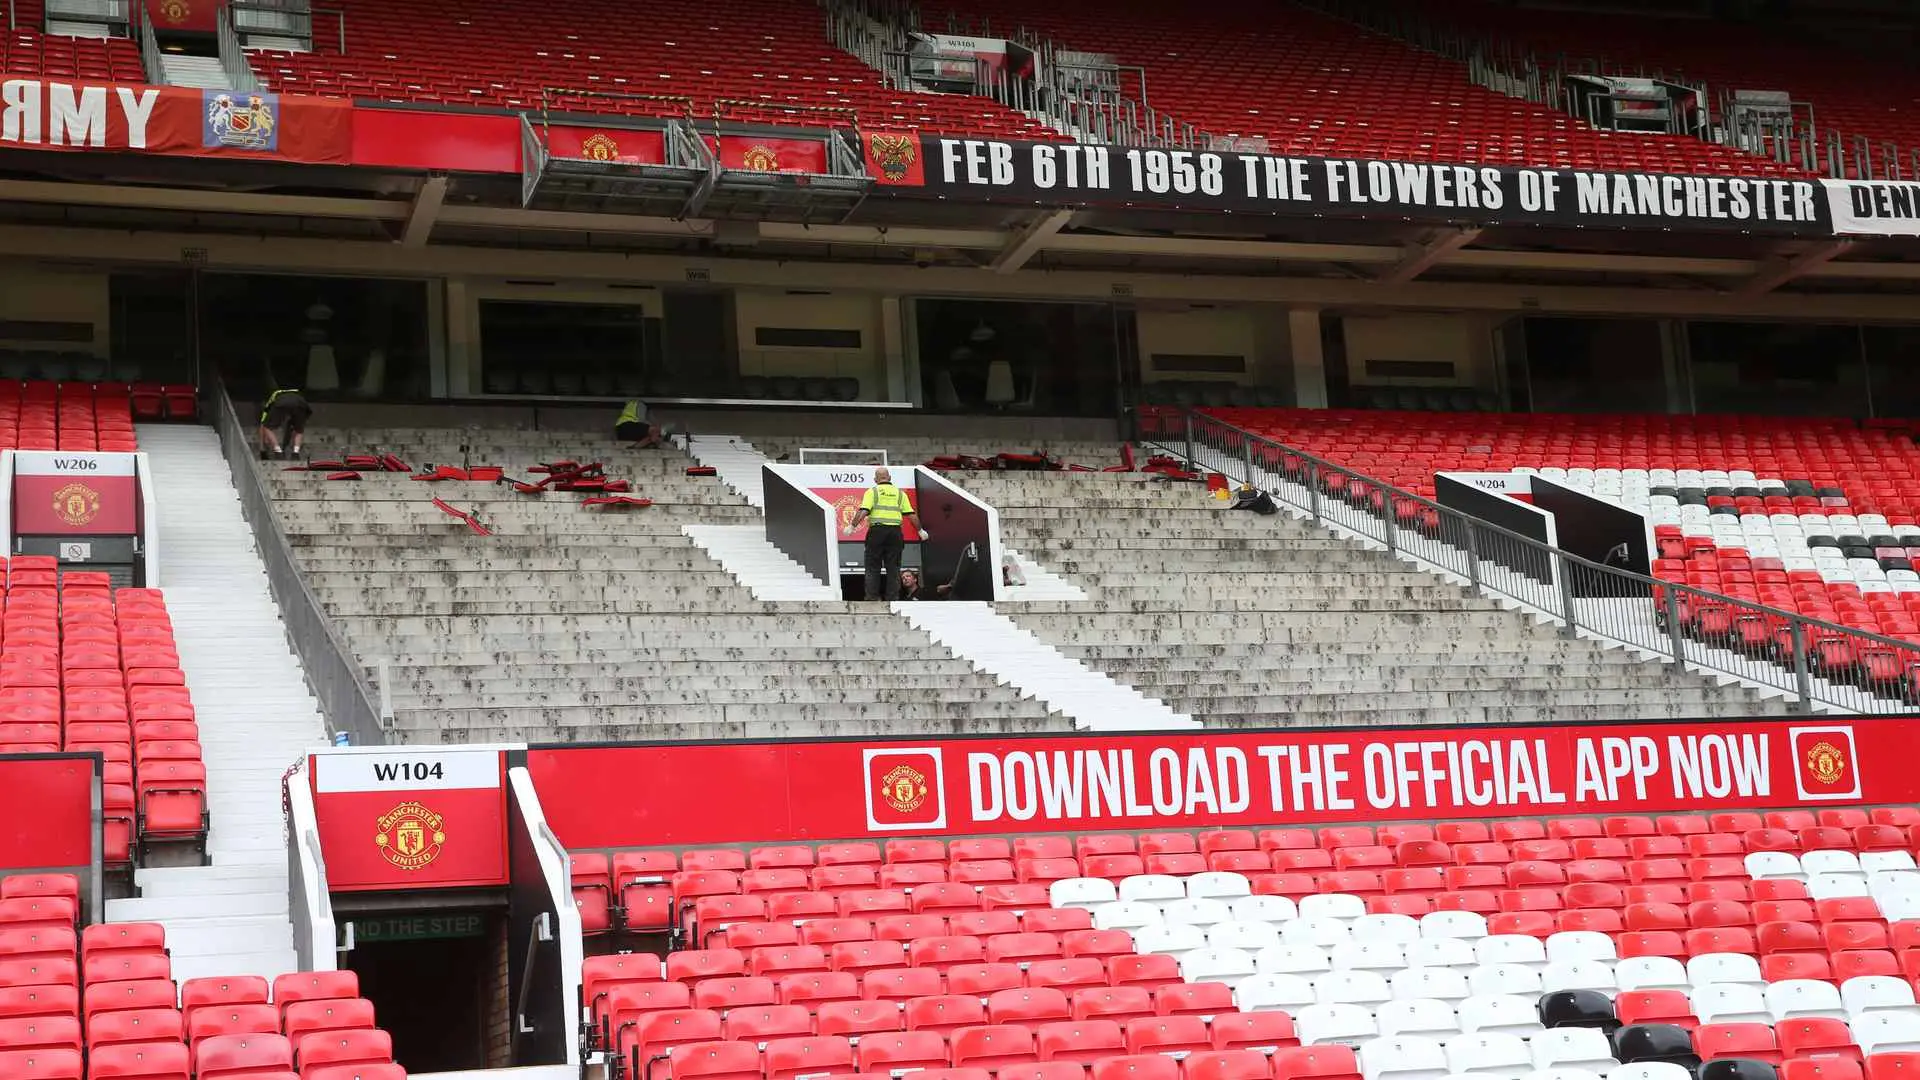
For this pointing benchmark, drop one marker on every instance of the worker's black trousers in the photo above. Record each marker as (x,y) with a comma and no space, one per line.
(884,547)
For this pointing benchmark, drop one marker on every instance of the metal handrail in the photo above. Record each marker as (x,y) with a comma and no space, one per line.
(233,58)
(337,680)
(1663,617)
(150,60)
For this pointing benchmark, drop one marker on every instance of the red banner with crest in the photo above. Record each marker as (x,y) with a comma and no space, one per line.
(640,796)
(184,16)
(627,146)
(756,153)
(82,117)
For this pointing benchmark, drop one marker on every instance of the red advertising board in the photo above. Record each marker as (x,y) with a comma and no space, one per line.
(435,139)
(185,16)
(411,817)
(49,811)
(628,146)
(635,796)
(75,116)
(756,153)
(846,503)
(61,493)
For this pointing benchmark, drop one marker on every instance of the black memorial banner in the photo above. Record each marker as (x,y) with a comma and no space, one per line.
(1069,174)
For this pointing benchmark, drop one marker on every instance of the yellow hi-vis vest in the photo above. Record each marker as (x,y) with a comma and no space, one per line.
(271,398)
(630,414)
(885,504)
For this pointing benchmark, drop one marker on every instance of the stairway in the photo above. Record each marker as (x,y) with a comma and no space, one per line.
(765,570)
(256,718)
(994,644)
(198,72)
(735,461)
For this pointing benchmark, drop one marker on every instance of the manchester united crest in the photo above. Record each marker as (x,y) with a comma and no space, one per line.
(410,836)
(844,509)
(760,159)
(176,11)
(600,147)
(904,788)
(76,504)
(1826,762)
(893,153)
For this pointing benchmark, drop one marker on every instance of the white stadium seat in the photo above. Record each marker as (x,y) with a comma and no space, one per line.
(1081,892)
(1325,933)
(1251,937)
(1878,861)
(1651,1070)
(1875,993)
(1317,1024)
(1417,1016)
(1579,975)
(1829,862)
(1724,968)
(1453,924)
(1649,973)
(1511,949)
(1833,886)
(1406,1057)
(1773,864)
(1152,888)
(1401,929)
(1387,956)
(1804,997)
(1216,965)
(1219,885)
(1416,983)
(1195,912)
(1490,1054)
(1509,1013)
(1305,960)
(1169,938)
(1126,915)
(1580,945)
(1273,909)
(1332,906)
(1730,1003)
(1572,1048)
(1888,1032)
(1273,993)
(1351,988)
(1441,952)
(1504,979)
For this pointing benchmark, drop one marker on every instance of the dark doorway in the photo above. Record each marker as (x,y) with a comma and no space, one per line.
(434,981)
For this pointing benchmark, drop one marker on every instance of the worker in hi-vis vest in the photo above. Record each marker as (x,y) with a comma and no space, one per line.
(883,508)
(633,426)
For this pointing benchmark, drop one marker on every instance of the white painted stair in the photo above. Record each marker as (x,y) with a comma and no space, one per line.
(199,72)
(256,718)
(735,462)
(998,646)
(765,570)
(1042,583)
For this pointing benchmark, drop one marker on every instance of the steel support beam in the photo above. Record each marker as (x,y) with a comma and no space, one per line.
(426,210)
(1422,256)
(1777,272)
(1028,240)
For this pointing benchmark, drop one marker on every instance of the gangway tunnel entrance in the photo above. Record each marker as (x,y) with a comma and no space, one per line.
(437,977)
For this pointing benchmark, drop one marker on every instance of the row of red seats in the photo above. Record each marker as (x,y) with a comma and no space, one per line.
(67,416)
(85,668)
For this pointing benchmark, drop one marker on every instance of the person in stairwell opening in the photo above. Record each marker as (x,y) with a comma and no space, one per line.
(634,426)
(883,508)
(283,424)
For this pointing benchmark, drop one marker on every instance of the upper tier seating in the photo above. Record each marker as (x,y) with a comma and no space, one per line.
(100,1002)
(1575,946)
(574,624)
(25,50)
(1809,516)
(1313,85)
(1852,93)
(759,57)
(1242,620)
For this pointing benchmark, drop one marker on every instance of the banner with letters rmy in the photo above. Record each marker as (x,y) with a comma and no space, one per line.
(627,796)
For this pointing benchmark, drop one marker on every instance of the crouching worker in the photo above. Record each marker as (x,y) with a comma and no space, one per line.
(283,424)
(634,426)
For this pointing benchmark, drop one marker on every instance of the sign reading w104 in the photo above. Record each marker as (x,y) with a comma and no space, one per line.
(401,769)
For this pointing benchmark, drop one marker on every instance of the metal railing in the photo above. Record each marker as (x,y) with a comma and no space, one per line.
(151,63)
(233,58)
(1813,664)
(346,698)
